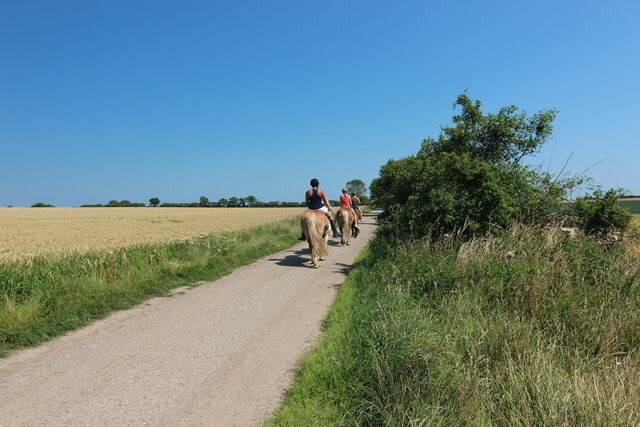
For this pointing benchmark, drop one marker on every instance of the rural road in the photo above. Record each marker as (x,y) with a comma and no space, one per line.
(219,354)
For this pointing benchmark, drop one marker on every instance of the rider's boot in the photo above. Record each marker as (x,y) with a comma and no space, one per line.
(336,233)
(357,230)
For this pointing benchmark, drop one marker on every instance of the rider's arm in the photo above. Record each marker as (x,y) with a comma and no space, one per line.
(322,194)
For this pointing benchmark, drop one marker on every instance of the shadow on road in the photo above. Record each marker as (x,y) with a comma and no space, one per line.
(343,268)
(297,258)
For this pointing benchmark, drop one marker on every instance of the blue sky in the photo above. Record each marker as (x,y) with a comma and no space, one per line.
(178,99)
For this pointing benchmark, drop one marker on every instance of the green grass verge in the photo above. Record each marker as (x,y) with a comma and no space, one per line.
(43,297)
(632,205)
(366,209)
(456,333)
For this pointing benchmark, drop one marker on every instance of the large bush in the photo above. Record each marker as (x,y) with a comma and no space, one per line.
(470,179)
(600,213)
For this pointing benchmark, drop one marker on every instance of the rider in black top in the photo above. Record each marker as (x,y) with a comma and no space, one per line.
(317,200)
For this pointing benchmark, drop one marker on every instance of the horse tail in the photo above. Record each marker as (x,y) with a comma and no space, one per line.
(313,225)
(344,222)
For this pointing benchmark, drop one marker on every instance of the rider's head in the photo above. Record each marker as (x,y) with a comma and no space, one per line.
(344,191)
(353,194)
(314,183)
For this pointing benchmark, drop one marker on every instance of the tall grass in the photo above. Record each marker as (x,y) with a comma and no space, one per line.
(528,328)
(45,296)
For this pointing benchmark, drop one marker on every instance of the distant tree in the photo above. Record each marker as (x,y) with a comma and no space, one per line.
(242,202)
(234,202)
(357,186)
(273,204)
(250,200)
(41,205)
(223,203)
(204,202)
(154,201)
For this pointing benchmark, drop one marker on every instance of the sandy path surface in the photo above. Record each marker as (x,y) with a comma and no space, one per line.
(218,354)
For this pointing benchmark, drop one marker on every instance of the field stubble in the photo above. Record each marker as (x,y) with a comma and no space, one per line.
(28,232)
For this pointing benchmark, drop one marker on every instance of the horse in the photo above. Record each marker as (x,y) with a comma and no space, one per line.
(346,218)
(315,226)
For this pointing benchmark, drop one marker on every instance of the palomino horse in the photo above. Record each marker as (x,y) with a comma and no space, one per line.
(346,218)
(315,226)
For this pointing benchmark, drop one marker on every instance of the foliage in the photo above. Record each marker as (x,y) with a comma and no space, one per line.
(632,206)
(364,200)
(204,202)
(457,332)
(123,204)
(357,186)
(600,212)
(469,180)
(41,205)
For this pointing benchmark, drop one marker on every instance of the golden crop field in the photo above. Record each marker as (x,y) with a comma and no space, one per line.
(26,232)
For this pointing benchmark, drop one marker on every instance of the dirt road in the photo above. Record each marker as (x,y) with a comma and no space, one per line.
(218,354)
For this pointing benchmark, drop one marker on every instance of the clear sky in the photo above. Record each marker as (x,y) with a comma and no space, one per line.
(178,99)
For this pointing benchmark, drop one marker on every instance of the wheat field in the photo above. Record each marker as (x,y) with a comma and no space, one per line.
(28,232)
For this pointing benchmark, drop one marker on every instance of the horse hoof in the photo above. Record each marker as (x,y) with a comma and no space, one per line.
(321,258)
(314,266)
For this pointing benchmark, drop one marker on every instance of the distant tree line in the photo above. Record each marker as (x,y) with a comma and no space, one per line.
(233,202)
(204,202)
(355,185)
(116,204)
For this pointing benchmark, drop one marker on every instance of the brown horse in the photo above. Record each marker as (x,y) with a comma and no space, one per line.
(315,227)
(346,219)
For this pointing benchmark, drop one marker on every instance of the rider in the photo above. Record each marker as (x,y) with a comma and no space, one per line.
(355,203)
(317,200)
(346,202)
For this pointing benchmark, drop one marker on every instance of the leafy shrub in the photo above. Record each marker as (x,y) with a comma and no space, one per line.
(600,213)
(469,180)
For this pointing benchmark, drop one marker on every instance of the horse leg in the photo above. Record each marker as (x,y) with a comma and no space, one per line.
(314,261)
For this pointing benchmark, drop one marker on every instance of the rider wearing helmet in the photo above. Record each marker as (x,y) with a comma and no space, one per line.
(317,200)
(346,203)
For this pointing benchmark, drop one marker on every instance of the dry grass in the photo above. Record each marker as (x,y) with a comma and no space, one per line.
(27,232)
